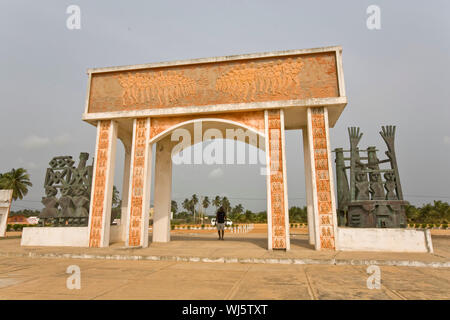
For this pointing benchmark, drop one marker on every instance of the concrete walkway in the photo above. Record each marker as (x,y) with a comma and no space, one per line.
(236,248)
(104,277)
(25,278)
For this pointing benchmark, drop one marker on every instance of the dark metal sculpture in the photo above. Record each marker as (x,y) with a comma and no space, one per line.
(74,186)
(369,202)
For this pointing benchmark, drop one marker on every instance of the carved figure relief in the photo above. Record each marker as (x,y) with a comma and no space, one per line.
(99,184)
(73,184)
(272,78)
(139,158)
(226,82)
(276,180)
(320,151)
(163,87)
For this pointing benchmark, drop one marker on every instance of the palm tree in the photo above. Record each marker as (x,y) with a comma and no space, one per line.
(174,206)
(17,180)
(217,202)
(239,208)
(205,203)
(186,204)
(226,204)
(194,201)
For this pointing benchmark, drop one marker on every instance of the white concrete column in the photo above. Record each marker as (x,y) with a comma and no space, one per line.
(139,185)
(5,206)
(163,191)
(308,185)
(277,205)
(102,184)
(125,191)
(325,220)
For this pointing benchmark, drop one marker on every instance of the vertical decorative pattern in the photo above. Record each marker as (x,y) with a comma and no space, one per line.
(276,180)
(99,187)
(323,186)
(137,183)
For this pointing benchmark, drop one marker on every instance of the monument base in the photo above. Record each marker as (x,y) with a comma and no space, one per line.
(384,240)
(62,236)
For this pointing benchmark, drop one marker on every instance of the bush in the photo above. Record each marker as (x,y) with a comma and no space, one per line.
(424,225)
(172,227)
(16,227)
(203,226)
(444,226)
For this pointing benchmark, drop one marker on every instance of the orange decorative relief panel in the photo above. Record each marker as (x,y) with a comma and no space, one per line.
(251,119)
(323,188)
(99,187)
(292,77)
(137,183)
(277,182)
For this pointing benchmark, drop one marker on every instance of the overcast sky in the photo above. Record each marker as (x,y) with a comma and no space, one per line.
(398,75)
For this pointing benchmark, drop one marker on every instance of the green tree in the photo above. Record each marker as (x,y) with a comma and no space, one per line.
(217,202)
(187,204)
(205,204)
(116,201)
(226,204)
(249,216)
(174,207)
(17,180)
(194,201)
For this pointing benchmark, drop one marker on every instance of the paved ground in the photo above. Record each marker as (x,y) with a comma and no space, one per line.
(240,246)
(26,278)
(45,278)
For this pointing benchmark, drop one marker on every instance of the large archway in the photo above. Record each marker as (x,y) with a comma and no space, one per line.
(264,94)
(189,135)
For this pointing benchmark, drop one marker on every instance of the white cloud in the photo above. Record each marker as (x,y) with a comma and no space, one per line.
(27,164)
(36,142)
(216,173)
(62,139)
(446,139)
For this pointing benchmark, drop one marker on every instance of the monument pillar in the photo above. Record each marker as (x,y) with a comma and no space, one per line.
(277,203)
(163,191)
(102,184)
(125,190)
(5,207)
(325,221)
(139,185)
(308,186)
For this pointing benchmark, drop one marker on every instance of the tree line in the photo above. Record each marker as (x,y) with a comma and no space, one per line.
(195,207)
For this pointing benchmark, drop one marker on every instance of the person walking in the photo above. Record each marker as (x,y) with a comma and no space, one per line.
(220,222)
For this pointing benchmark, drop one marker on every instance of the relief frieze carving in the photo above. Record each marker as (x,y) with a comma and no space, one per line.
(242,81)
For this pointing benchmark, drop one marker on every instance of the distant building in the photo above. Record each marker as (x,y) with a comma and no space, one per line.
(19,219)
(33,220)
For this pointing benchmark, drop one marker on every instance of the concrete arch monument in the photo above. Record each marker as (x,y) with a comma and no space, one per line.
(265,93)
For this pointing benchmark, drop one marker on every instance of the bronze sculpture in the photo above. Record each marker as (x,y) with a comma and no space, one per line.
(368,201)
(74,186)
